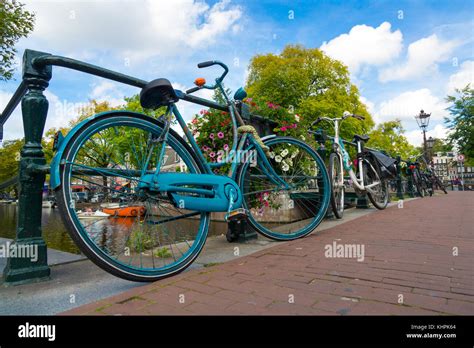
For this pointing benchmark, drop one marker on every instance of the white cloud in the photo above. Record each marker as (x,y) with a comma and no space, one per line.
(60,112)
(108,91)
(408,104)
(415,137)
(370,105)
(131,29)
(422,59)
(464,76)
(365,45)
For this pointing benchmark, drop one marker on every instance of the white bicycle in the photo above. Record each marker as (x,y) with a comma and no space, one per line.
(366,173)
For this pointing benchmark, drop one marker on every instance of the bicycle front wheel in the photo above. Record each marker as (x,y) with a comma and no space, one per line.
(132,233)
(417,183)
(336,177)
(286,213)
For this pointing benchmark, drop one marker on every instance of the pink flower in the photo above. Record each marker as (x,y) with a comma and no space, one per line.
(293,125)
(211,136)
(220,135)
(283,129)
(226,147)
(212,154)
(205,148)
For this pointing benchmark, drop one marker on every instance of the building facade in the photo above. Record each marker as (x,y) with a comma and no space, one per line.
(449,169)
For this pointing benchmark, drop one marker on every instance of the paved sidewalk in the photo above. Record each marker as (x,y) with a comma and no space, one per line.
(408,268)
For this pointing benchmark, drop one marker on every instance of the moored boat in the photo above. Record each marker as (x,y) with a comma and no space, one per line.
(125,211)
(92,214)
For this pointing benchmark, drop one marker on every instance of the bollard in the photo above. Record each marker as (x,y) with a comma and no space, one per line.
(34,107)
(399,179)
(362,202)
(411,190)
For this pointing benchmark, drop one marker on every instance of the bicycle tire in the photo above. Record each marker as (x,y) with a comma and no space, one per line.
(372,173)
(319,209)
(78,236)
(337,199)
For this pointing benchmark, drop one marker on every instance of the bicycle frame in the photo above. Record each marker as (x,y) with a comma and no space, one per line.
(225,193)
(344,161)
(223,199)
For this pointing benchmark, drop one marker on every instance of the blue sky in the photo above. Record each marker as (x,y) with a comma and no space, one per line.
(403,55)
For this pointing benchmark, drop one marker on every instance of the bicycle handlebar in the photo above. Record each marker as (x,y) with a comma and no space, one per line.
(192,90)
(218,80)
(205,64)
(332,119)
(215,62)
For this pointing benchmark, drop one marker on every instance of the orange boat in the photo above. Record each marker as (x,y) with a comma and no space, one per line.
(129,211)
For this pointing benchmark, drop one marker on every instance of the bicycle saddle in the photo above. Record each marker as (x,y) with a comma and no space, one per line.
(157,93)
(363,138)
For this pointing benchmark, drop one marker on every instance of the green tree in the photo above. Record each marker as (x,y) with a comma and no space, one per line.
(9,159)
(440,145)
(307,82)
(15,23)
(461,122)
(388,136)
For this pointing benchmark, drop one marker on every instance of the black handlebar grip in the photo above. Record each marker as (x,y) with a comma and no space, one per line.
(206,64)
(192,90)
(359,117)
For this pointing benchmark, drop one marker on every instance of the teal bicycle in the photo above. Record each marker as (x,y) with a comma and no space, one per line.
(153,191)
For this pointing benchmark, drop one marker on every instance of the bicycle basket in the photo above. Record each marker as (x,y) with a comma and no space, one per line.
(386,163)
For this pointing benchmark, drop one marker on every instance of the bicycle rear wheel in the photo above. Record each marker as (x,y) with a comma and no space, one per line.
(144,237)
(378,194)
(286,213)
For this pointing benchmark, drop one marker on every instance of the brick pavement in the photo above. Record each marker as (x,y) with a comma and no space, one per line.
(408,268)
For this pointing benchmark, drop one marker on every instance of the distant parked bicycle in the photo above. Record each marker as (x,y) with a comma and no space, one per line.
(436,182)
(366,174)
(168,188)
(423,177)
(419,182)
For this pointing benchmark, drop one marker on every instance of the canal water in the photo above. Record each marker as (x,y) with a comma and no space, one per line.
(54,231)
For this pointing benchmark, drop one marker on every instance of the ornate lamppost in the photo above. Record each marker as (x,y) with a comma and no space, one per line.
(429,144)
(423,119)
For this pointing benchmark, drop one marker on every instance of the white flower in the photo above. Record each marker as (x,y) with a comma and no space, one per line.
(284,153)
(303,138)
(278,158)
(297,117)
(272,154)
(285,167)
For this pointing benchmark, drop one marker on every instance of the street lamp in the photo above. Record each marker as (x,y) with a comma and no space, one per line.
(423,119)
(429,144)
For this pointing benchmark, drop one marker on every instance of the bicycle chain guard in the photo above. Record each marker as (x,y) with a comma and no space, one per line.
(199,192)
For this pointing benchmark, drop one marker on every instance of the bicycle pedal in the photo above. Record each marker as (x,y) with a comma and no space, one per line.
(237,214)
